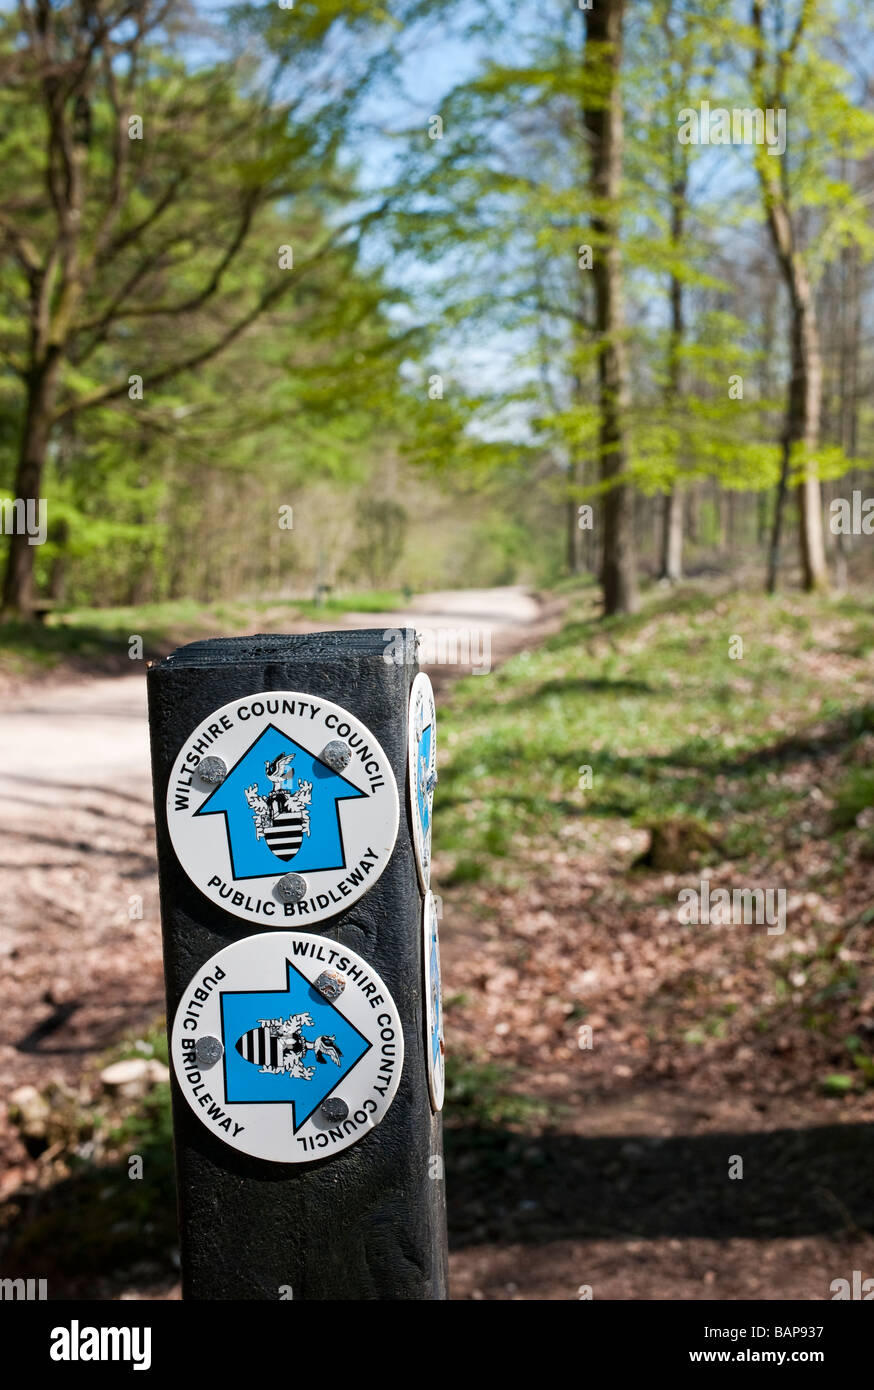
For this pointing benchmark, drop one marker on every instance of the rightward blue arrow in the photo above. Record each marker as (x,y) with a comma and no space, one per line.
(424,799)
(436,999)
(321,849)
(246,1084)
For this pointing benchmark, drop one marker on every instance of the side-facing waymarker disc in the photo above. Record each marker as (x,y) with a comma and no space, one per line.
(288,1047)
(422,765)
(282,808)
(434,1045)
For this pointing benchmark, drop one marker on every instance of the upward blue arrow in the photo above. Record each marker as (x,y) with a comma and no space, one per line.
(321,849)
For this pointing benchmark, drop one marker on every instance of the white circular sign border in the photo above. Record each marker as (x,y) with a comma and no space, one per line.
(421,693)
(262,1122)
(212,830)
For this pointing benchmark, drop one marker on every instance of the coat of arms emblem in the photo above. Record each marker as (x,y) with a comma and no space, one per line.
(278,1045)
(281,817)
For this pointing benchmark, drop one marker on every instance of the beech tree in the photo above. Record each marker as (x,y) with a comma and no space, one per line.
(135,230)
(801,189)
(602,87)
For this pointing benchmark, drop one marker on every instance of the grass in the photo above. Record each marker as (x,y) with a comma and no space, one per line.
(376,601)
(670,728)
(102,635)
(28,648)
(856,794)
(479,1095)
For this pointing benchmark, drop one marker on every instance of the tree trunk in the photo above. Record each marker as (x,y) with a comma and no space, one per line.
(603,122)
(572,557)
(671,558)
(804,405)
(777,522)
(693,519)
(761,518)
(18,583)
(671,566)
(803,421)
(768,526)
(720,511)
(850,339)
(731,527)
(589,562)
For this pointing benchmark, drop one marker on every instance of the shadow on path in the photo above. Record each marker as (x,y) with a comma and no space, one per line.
(505,1187)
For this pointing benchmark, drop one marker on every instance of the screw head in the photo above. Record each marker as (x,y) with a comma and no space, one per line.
(431,782)
(208,1051)
(336,754)
(291,888)
(330,984)
(334,1108)
(212,771)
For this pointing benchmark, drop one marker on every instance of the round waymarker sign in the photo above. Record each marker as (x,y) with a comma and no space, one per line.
(282,808)
(287,1047)
(434,1045)
(422,762)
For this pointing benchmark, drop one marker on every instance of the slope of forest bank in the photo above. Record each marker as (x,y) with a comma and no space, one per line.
(641,1101)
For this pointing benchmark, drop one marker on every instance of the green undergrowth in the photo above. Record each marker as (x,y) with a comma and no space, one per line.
(648,720)
(105,1203)
(479,1095)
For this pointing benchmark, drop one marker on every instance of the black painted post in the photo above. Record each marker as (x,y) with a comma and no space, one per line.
(369,1222)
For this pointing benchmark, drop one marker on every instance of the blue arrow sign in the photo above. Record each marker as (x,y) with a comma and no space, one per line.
(311,1045)
(424,756)
(436,999)
(281,806)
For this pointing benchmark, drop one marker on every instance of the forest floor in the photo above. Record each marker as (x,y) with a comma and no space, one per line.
(612,1069)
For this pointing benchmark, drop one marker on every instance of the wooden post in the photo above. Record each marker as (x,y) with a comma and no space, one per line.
(369,1222)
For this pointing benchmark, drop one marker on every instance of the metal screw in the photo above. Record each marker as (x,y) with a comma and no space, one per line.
(208,1051)
(334,1108)
(212,771)
(431,782)
(336,754)
(330,984)
(291,888)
